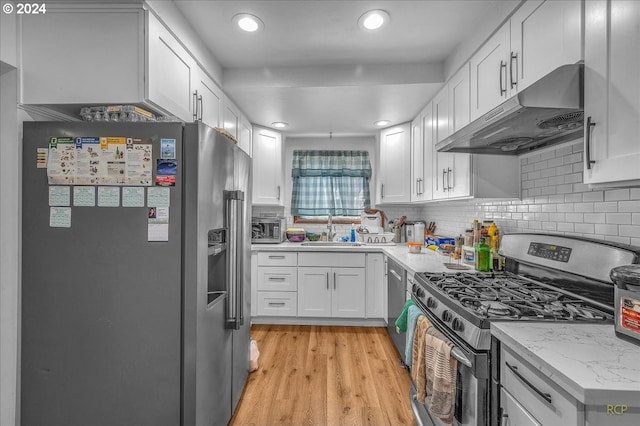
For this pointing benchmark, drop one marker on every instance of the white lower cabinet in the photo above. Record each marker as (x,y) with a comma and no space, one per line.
(274,284)
(305,285)
(331,285)
(331,292)
(376,290)
(530,398)
(277,303)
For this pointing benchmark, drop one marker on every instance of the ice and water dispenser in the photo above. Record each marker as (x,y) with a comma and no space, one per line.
(217,265)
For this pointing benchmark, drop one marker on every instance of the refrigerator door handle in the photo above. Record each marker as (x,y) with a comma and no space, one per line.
(234,207)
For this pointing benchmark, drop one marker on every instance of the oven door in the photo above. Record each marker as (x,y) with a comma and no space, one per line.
(472,381)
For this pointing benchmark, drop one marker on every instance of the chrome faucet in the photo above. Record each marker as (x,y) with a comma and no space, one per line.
(332,232)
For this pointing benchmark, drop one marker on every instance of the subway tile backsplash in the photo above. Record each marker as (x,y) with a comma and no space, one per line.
(554,200)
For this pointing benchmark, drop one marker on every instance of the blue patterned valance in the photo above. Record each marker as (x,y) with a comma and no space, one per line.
(331,163)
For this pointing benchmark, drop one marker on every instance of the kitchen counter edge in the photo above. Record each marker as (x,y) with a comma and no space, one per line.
(586,360)
(425,261)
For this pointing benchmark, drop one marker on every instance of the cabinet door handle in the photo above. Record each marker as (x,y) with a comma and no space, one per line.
(194,105)
(449,186)
(334,280)
(587,143)
(504,417)
(201,109)
(382,191)
(273,256)
(444,185)
(327,281)
(395,274)
(514,81)
(276,303)
(503,67)
(276,278)
(515,371)
(278,192)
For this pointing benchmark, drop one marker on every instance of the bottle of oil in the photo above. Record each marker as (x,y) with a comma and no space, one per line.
(483,256)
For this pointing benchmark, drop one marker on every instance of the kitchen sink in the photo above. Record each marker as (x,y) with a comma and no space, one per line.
(331,244)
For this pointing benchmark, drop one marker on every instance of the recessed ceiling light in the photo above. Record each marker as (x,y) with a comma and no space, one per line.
(248,23)
(373,20)
(279,124)
(381,123)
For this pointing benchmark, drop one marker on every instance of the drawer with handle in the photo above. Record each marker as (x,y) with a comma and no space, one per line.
(542,398)
(277,303)
(277,278)
(276,258)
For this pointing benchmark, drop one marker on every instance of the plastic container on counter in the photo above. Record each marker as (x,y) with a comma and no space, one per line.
(414,246)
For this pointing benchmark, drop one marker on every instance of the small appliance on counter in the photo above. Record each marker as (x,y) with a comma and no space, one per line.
(627,302)
(268,230)
(414,231)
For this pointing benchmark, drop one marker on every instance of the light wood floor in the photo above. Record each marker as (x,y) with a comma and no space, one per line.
(325,375)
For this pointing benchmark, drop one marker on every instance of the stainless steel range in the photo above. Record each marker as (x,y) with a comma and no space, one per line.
(547,278)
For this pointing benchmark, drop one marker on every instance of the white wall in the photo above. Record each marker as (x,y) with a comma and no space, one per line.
(10,160)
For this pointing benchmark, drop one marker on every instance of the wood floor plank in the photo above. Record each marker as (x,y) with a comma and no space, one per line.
(325,375)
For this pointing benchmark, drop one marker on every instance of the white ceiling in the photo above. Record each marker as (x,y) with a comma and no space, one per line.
(312,67)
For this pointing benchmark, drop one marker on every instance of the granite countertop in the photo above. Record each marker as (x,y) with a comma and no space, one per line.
(587,360)
(425,261)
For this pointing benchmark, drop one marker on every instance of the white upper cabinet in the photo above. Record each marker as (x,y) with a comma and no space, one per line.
(208,100)
(245,135)
(427,131)
(452,170)
(540,36)
(139,62)
(544,36)
(459,171)
(395,164)
(267,167)
(440,160)
(612,93)
(85,71)
(417,160)
(489,73)
(171,72)
(231,117)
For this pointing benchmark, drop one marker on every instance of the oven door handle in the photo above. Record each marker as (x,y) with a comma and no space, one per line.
(414,408)
(460,357)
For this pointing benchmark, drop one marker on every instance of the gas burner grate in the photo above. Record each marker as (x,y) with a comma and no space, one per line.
(510,296)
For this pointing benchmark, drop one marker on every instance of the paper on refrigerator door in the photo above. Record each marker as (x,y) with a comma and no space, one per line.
(158,224)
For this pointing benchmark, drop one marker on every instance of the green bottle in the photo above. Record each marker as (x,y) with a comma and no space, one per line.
(483,256)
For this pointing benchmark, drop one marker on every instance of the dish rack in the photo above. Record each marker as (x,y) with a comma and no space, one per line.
(370,238)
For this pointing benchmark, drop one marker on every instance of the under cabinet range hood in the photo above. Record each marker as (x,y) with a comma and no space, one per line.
(548,112)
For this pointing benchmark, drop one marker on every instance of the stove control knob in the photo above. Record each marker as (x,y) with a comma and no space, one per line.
(447,316)
(457,325)
(431,303)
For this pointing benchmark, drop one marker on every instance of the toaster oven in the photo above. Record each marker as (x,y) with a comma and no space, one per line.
(268,230)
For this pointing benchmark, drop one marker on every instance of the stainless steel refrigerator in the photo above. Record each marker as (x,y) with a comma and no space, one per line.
(136,274)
